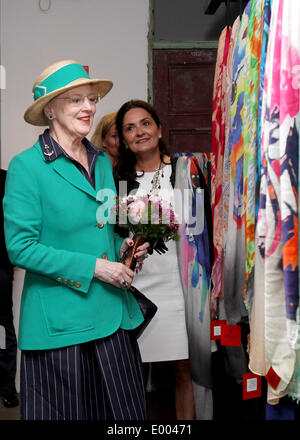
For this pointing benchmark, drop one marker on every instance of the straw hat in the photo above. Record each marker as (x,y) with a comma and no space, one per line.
(57,79)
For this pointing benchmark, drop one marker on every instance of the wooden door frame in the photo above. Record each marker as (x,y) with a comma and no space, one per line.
(167,45)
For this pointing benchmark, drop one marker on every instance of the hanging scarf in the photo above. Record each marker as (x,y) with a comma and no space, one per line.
(195,267)
(249,134)
(289,146)
(257,362)
(279,354)
(226,160)
(218,144)
(266,28)
(234,252)
(289,152)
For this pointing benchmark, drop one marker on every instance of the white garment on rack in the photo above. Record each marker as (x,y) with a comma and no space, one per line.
(165,338)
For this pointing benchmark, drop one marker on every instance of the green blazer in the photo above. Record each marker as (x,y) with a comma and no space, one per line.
(51,231)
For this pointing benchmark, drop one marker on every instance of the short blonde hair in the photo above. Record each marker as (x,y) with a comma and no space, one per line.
(102,129)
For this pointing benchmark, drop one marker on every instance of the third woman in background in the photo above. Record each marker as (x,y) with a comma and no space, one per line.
(106,136)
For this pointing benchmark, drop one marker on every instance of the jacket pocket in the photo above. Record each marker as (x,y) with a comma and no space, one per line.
(65,311)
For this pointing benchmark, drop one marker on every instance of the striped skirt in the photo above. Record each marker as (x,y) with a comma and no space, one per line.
(97,380)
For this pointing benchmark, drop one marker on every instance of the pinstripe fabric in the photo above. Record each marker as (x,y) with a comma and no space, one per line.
(98,380)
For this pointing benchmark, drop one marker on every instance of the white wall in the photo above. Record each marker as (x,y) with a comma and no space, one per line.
(108,35)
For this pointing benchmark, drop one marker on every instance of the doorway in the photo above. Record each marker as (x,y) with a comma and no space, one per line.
(182,94)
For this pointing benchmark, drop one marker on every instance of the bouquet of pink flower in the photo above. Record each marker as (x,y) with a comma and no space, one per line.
(148,219)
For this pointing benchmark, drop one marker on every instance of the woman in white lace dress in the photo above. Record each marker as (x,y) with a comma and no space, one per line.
(146,166)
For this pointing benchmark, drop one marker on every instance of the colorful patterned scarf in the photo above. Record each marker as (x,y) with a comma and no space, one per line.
(234,250)
(249,134)
(289,175)
(257,362)
(279,353)
(218,144)
(266,29)
(226,160)
(195,268)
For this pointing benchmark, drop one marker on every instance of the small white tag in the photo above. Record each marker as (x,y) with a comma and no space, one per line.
(2,338)
(217,330)
(252,384)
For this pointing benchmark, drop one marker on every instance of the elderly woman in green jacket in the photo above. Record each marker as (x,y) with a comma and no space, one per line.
(79,358)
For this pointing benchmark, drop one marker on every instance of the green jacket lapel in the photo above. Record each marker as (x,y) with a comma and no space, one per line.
(68,171)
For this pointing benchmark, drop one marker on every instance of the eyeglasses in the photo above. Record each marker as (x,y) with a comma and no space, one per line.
(77,100)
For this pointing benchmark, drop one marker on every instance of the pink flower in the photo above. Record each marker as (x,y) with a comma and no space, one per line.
(135,211)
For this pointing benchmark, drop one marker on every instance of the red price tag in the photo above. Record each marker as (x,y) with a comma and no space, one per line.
(216,329)
(273,378)
(251,386)
(231,335)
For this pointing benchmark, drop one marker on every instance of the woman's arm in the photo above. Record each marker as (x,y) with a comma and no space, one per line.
(23,225)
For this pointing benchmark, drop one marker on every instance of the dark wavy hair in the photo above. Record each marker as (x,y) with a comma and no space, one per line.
(126,160)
